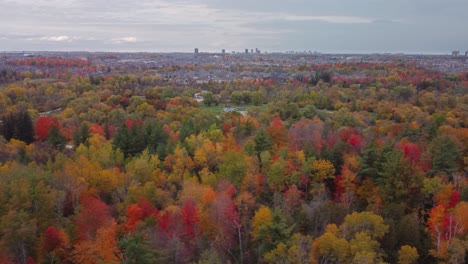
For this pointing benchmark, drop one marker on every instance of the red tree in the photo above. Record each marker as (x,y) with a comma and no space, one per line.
(52,239)
(96,129)
(43,125)
(139,212)
(93,215)
(190,219)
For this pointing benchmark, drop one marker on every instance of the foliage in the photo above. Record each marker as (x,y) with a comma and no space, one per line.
(330,163)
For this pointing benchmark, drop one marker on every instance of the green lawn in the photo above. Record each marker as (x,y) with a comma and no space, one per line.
(218,109)
(46,80)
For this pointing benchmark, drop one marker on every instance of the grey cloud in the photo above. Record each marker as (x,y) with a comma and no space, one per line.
(153,25)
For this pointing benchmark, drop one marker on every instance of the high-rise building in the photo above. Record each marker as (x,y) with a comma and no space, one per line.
(246,51)
(196,50)
(251,51)
(466,53)
(455,53)
(223,51)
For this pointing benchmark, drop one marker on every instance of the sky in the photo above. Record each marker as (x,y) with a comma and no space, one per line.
(328,26)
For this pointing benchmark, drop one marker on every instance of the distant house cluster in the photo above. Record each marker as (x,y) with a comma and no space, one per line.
(223,51)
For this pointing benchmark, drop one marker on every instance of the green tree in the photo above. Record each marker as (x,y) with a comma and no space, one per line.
(155,138)
(208,98)
(237,98)
(55,138)
(270,235)
(18,126)
(24,129)
(263,143)
(293,251)
(81,135)
(136,250)
(401,181)
(18,234)
(130,140)
(445,155)
(233,167)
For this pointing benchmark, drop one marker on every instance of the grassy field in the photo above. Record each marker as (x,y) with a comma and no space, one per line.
(218,109)
(46,80)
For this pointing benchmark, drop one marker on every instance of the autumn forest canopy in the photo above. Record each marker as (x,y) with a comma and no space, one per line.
(311,163)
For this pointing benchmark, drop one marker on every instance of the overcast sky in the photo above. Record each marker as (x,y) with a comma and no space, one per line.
(363,26)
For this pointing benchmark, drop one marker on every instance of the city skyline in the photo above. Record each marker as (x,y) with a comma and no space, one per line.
(338,26)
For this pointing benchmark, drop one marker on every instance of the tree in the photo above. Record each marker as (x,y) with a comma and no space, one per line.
(306,135)
(330,248)
(19,234)
(364,222)
(355,241)
(447,225)
(43,125)
(81,135)
(401,181)
(237,98)
(208,98)
(407,255)
(18,126)
(129,138)
(106,244)
(55,138)
(262,143)
(190,221)
(262,217)
(445,155)
(294,251)
(233,167)
(136,250)
(139,212)
(155,138)
(24,128)
(322,170)
(51,241)
(93,215)
(271,234)
(278,133)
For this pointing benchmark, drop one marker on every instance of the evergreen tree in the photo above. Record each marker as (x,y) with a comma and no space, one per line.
(8,128)
(155,137)
(24,129)
(55,139)
(130,140)
(136,250)
(81,135)
(18,126)
(445,155)
(270,235)
(262,142)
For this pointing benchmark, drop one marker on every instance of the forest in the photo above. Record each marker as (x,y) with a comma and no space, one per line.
(342,163)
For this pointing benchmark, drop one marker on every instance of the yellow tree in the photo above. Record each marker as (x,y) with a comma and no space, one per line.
(322,170)
(407,255)
(330,247)
(262,217)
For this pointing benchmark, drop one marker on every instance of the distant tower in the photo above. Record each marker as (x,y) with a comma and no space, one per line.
(466,53)
(246,51)
(196,50)
(455,53)
(223,51)
(251,51)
